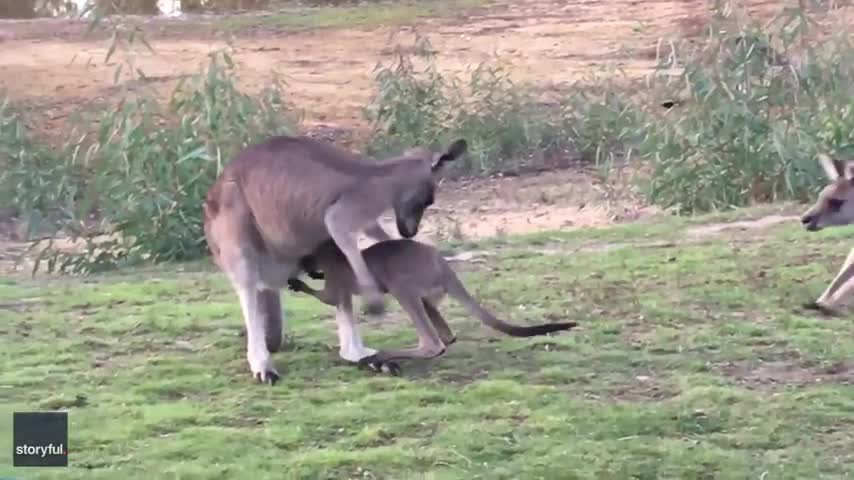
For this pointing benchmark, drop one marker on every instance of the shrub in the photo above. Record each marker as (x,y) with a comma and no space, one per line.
(759,105)
(508,125)
(600,121)
(505,125)
(32,178)
(146,169)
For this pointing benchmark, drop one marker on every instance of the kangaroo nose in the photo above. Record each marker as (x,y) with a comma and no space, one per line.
(810,222)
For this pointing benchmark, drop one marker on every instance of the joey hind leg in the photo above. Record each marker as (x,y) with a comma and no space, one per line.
(442,328)
(430,345)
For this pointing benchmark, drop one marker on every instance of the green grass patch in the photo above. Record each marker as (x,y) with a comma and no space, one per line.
(694,360)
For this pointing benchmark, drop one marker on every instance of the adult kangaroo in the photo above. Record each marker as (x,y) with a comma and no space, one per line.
(834,207)
(279,200)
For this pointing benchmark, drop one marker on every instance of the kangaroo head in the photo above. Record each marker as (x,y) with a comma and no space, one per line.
(835,203)
(418,191)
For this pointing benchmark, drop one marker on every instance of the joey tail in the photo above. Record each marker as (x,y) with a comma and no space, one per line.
(456,290)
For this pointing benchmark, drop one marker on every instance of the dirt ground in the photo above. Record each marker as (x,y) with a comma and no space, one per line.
(549,43)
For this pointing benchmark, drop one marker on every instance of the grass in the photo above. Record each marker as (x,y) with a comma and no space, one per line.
(372,14)
(659,228)
(670,376)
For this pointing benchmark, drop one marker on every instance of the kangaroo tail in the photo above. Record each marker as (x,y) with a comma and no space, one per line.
(456,290)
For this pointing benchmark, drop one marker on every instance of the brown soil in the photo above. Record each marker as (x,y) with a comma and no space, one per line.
(782,373)
(549,43)
(645,388)
(744,225)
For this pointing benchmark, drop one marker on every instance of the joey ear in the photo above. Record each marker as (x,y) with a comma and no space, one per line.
(832,168)
(454,151)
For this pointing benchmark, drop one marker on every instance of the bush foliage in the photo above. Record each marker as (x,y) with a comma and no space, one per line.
(420,106)
(755,107)
(758,105)
(145,170)
(506,124)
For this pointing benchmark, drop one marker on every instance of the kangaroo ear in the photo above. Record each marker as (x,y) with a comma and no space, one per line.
(832,168)
(849,170)
(454,151)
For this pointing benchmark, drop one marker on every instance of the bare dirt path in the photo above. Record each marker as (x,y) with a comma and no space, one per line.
(329,70)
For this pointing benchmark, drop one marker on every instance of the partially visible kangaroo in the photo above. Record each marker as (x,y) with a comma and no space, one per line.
(417,276)
(834,207)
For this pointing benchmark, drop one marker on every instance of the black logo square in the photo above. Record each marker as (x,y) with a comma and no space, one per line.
(40,439)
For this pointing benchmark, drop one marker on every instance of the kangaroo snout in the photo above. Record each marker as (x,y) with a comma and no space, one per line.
(810,222)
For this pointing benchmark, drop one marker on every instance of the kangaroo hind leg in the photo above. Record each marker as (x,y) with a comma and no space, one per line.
(430,344)
(442,328)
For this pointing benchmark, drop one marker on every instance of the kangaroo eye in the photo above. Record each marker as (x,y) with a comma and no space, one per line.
(835,204)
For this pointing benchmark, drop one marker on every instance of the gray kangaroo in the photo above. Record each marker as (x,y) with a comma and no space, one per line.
(278,200)
(834,207)
(418,277)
